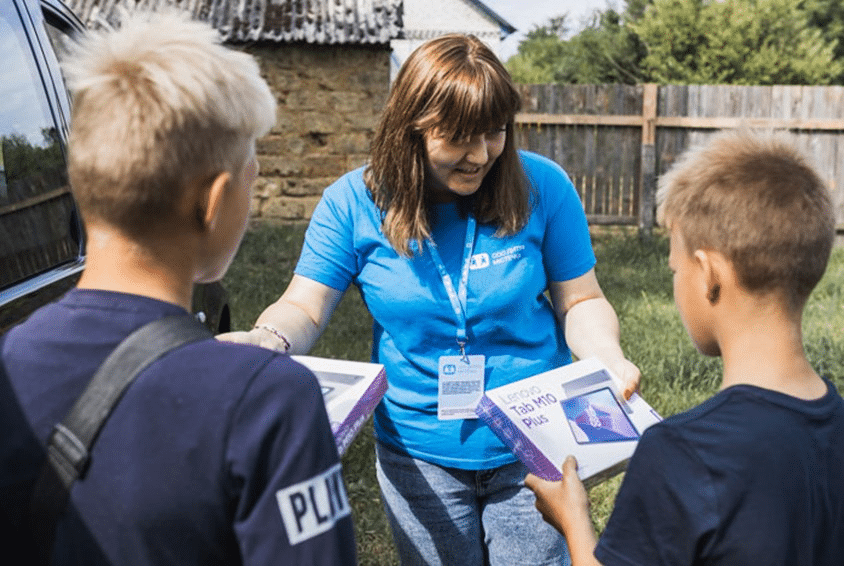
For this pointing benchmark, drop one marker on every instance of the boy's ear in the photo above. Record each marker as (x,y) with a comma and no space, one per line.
(215,192)
(712,265)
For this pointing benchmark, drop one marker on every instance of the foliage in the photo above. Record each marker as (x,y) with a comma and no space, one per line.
(734,42)
(634,275)
(605,51)
(23,159)
(759,42)
(539,53)
(828,16)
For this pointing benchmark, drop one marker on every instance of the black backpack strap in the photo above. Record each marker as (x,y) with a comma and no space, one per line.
(69,445)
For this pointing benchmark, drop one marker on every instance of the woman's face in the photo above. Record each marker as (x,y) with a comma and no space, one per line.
(457,168)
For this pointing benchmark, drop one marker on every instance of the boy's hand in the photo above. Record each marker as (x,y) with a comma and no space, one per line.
(564,505)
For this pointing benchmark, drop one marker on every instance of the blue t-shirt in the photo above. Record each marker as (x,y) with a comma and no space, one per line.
(749,477)
(218,453)
(509,318)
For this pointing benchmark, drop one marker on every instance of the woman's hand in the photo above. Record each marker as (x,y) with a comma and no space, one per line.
(628,375)
(256,337)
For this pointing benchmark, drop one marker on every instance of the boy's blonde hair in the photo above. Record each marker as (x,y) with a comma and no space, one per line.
(159,105)
(754,198)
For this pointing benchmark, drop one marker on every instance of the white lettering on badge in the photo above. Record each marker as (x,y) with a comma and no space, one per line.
(313,506)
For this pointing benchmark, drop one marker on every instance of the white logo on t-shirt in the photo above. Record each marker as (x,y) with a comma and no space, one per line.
(313,506)
(482,260)
(479,261)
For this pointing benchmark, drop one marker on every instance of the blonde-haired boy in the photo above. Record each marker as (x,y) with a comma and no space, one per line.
(752,475)
(159,108)
(218,453)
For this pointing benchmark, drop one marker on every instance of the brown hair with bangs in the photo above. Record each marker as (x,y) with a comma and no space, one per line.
(453,86)
(755,199)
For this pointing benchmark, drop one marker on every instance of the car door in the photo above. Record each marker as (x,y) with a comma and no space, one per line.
(41,237)
(42,243)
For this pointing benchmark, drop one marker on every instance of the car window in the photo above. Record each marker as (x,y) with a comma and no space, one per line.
(38,227)
(60,35)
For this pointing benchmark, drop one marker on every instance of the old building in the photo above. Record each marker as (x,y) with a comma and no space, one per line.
(329,64)
(327,61)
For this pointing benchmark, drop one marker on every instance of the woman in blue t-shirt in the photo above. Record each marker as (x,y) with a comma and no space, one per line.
(453,238)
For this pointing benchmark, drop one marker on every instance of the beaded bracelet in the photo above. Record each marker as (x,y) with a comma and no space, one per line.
(275,332)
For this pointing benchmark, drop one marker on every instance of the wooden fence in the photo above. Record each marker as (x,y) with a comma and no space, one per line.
(615,140)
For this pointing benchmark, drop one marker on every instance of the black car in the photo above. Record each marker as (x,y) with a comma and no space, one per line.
(42,239)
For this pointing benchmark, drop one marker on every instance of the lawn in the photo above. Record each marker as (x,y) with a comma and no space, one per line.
(636,279)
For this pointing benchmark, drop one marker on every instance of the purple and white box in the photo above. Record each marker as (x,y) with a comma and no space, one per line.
(351,391)
(574,409)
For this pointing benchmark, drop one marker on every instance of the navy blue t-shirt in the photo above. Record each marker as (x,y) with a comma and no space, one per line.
(749,477)
(218,453)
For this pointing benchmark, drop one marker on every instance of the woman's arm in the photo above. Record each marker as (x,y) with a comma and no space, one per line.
(591,326)
(298,318)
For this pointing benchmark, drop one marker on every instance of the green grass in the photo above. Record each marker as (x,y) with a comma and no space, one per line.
(634,275)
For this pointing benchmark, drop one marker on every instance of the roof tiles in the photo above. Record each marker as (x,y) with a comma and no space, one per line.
(283,21)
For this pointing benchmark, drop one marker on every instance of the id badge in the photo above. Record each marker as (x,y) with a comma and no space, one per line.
(461,386)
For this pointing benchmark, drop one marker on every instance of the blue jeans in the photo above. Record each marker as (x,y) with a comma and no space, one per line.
(446,516)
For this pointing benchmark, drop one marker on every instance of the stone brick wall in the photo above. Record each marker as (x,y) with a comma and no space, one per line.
(329,100)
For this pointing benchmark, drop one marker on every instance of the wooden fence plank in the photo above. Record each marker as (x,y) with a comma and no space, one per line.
(689,122)
(596,132)
(647,196)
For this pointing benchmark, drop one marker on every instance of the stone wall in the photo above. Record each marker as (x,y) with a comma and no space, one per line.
(329,99)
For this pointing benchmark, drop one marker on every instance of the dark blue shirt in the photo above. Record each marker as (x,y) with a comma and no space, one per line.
(218,453)
(749,477)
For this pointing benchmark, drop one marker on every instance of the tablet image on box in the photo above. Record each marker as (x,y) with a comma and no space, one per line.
(333,383)
(597,416)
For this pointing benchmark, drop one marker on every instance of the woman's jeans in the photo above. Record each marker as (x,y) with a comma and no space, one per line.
(446,516)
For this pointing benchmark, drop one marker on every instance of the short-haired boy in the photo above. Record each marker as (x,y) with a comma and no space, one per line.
(755,474)
(199,458)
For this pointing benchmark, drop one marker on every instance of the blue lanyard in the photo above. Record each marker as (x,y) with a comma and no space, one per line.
(458,298)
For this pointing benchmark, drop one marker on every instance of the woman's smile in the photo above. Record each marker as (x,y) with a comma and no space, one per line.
(457,168)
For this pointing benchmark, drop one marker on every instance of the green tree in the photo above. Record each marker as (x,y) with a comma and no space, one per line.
(828,16)
(634,9)
(692,41)
(26,164)
(734,42)
(605,51)
(539,52)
